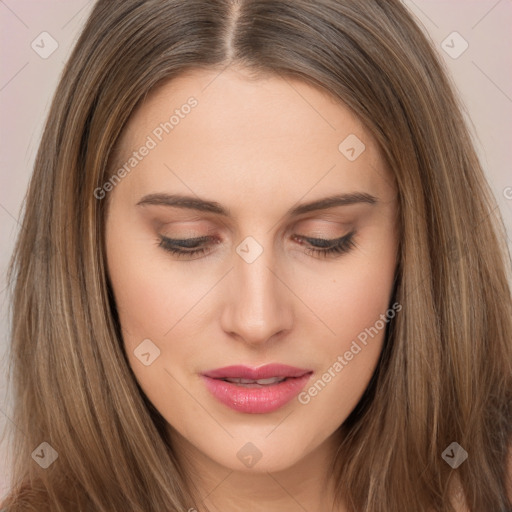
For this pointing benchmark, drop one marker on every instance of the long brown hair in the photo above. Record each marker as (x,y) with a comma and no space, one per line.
(445,372)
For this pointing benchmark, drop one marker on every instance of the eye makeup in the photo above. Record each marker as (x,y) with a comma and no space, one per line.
(197,247)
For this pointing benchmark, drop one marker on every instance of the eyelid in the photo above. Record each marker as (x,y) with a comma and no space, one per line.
(188,241)
(333,248)
(325,241)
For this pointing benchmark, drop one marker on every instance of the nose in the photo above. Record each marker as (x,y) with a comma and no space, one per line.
(258,304)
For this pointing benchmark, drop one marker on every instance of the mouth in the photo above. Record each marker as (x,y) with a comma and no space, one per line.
(249,383)
(256,390)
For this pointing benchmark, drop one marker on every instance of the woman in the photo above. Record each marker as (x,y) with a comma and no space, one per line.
(260,269)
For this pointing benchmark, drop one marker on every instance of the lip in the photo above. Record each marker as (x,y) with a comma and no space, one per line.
(258,399)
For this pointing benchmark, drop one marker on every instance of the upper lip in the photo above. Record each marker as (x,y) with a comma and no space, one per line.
(262,372)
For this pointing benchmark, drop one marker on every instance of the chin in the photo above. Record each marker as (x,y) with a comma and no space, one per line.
(260,455)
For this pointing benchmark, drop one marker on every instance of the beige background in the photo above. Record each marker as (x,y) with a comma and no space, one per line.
(482,75)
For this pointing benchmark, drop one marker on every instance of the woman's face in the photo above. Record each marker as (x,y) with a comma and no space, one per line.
(286,215)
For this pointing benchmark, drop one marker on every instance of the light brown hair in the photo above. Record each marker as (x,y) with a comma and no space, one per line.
(445,371)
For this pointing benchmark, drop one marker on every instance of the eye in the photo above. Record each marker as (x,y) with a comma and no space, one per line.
(325,248)
(187,247)
(196,247)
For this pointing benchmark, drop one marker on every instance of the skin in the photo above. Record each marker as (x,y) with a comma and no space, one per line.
(257,148)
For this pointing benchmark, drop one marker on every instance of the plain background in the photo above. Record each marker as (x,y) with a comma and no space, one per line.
(482,75)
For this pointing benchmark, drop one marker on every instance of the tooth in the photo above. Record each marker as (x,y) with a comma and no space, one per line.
(263,382)
(272,380)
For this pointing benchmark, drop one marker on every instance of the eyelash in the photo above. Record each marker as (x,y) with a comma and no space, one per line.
(334,248)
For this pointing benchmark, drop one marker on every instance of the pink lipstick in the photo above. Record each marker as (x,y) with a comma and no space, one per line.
(256,390)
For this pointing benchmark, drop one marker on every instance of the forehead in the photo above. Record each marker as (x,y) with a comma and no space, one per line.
(248,108)
(268,133)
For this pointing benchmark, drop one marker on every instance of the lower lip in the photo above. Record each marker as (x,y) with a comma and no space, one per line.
(256,400)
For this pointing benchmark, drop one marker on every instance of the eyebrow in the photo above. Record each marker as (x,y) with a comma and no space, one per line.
(202,205)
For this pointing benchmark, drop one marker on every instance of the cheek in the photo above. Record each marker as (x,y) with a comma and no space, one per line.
(351,294)
(354,307)
(357,298)
(152,294)
(155,306)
